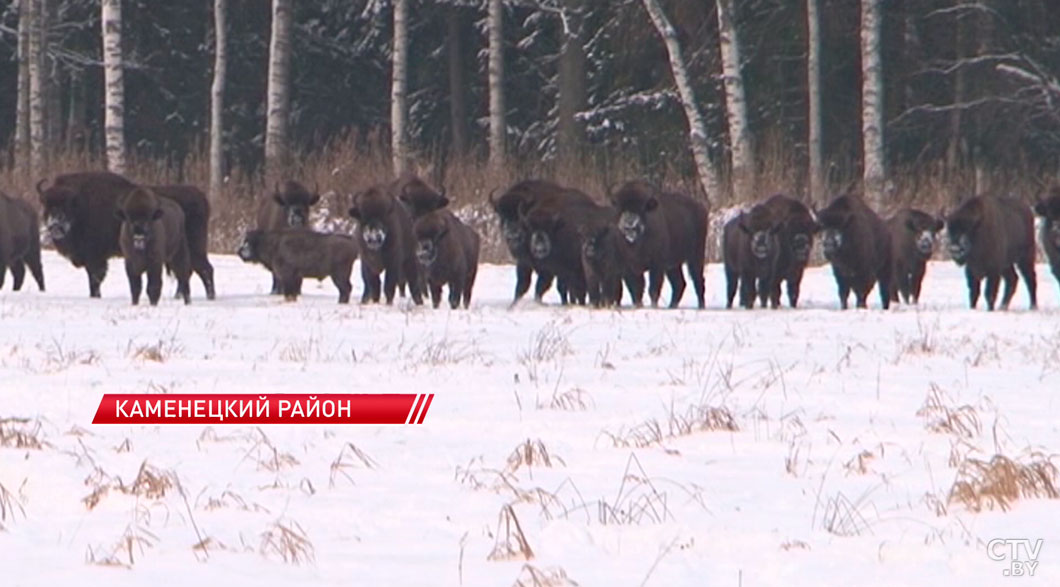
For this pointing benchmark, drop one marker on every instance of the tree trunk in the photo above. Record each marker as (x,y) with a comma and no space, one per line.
(697,129)
(497,131)
(36,89)
(114,113)
(742,154)
(873,173)
(457,92)
(277,148)
(22,98)
(953,153)
(813,85)
(217,97)
(571,80)
(398,82)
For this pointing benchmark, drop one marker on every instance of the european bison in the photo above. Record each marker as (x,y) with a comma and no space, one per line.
(795,240)
(1049,210)
(19,241)
(289,207)
(750,250)
(293,255)
(508,207)
(858,245)
(913,234)
(419,197)
(153,237)
(608,260)
(988,236)
(387,243)
(667,230)
(447,250)
(79,217)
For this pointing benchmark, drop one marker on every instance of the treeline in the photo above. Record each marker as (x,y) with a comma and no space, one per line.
(907,99)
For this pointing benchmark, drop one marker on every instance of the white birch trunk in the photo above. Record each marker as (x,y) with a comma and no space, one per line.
(36,89)
(114,93)
(736,104)
(217,96)
(495,18)
(697,129)
(22,97)
(398,82)
(813,87)
(279,95)
(874,174)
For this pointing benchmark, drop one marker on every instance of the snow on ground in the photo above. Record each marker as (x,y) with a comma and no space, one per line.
(667,447)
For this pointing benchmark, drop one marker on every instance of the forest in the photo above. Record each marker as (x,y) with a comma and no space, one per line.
(729,100)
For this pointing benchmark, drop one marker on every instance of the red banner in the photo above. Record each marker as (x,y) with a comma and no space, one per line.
(282,408)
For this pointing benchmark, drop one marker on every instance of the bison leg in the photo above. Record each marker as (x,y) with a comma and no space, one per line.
(747,290)
(794,286)
(371,285)
(915,283)
(993,282)
(655,283)
(154,283)
(3,272)
(96,275)
(136,285)
(292,286)
(677,285)
(341,279)
(469,285)
(204,270)
(973,288)
(844,291)
(33,261)
(1009,275)
(695,272)
(436,293)
(732,281)
(1026,267)
(18,274)
(635,286)
(456,288)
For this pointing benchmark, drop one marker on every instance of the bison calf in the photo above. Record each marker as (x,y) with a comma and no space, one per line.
(608,260)
(1049,210)
(293,255)
(152,237)
(989,236)
(289,207)
(750,250)
(447,251)
(913,235)
(795,241)
(19,242)
(387,243)
(858,245)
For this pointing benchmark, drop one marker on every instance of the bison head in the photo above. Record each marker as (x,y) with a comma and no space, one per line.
(430,230)
(634,201)
(250,249)
(833,222)
(543,224)
(420,198)
(59,205)
(961,227)
(1049,210)
(762,227)
(139,211)
(372,210)
(508,209)
(295,201)
(595,240)
(925,228)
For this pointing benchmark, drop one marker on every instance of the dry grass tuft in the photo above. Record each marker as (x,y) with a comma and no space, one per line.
(135,538)
(859,463)
(843,517)
(999,482)
(21,433)
(546,345)
(510,542)
(638,500)
(531,576)
(572,400)
(695,418)
(794,545)
(962,421)
(150,482)
(9,505)
(532,453)
(286,539)
(350,457)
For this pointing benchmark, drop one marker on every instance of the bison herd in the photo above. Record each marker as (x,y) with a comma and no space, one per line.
(410,243)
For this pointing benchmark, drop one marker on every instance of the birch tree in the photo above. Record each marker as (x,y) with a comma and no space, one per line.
(495,19)
(22,96)
(279,94)
(399,79)
(697,129)
(217,96)
(114,93)
(36,88)
(813,88)
(736,104)
(873,174)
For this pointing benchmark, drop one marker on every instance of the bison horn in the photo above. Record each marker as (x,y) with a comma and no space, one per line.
(39,184)
(491,199)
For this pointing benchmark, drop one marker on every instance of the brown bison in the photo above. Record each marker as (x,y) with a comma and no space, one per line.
(913,234)
(795,241)
(991,237)
(153,237)
(19,242)
(419,197)
(293,255)
(858,245)
(387,244)
(608,260)
(79,218)
(447,250)
(750,250)
(1049,210)
(289,207)
(667,230)
(508,207)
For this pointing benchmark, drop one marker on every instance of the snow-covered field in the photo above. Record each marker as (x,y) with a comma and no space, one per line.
(657,447)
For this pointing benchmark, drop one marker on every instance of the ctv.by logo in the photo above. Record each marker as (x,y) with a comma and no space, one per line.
(1021,554)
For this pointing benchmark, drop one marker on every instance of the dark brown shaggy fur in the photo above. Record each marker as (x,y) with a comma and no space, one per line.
(795,240)
(196,207)
(992,237)
(667,230)
(913,234)
(608,261)
(152,237)
(447,250)
(858,245)
(19,241)
(750,249)
(419,197)
(387,243)
(1049,210)
(294,254)
(289,207)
